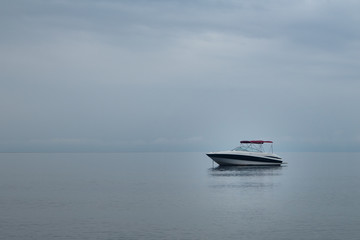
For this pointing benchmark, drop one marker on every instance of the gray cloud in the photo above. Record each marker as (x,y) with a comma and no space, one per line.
(178,75)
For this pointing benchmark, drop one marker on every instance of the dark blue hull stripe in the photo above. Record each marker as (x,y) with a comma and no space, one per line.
(244,157)
(273,157)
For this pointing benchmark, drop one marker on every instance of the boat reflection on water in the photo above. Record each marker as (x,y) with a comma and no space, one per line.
(245,170)
(245,177)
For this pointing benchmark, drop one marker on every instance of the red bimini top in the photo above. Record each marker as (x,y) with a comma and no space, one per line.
(256,141)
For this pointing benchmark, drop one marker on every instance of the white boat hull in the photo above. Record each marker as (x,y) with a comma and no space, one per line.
(245,159)
(234,162)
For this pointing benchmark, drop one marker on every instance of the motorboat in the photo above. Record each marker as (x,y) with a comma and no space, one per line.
(249,153)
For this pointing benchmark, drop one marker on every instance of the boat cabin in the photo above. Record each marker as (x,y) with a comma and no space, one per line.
(254,146)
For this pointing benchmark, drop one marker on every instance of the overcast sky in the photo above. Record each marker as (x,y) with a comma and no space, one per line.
(179,75)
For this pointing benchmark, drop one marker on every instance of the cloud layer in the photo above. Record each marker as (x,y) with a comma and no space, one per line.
(178,75)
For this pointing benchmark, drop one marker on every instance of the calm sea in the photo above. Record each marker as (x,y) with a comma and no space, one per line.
(177,196)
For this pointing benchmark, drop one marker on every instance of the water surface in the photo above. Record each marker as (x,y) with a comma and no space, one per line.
(177,196)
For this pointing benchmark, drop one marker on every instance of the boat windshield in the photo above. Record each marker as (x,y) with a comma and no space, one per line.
(254,146)
(248,148)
